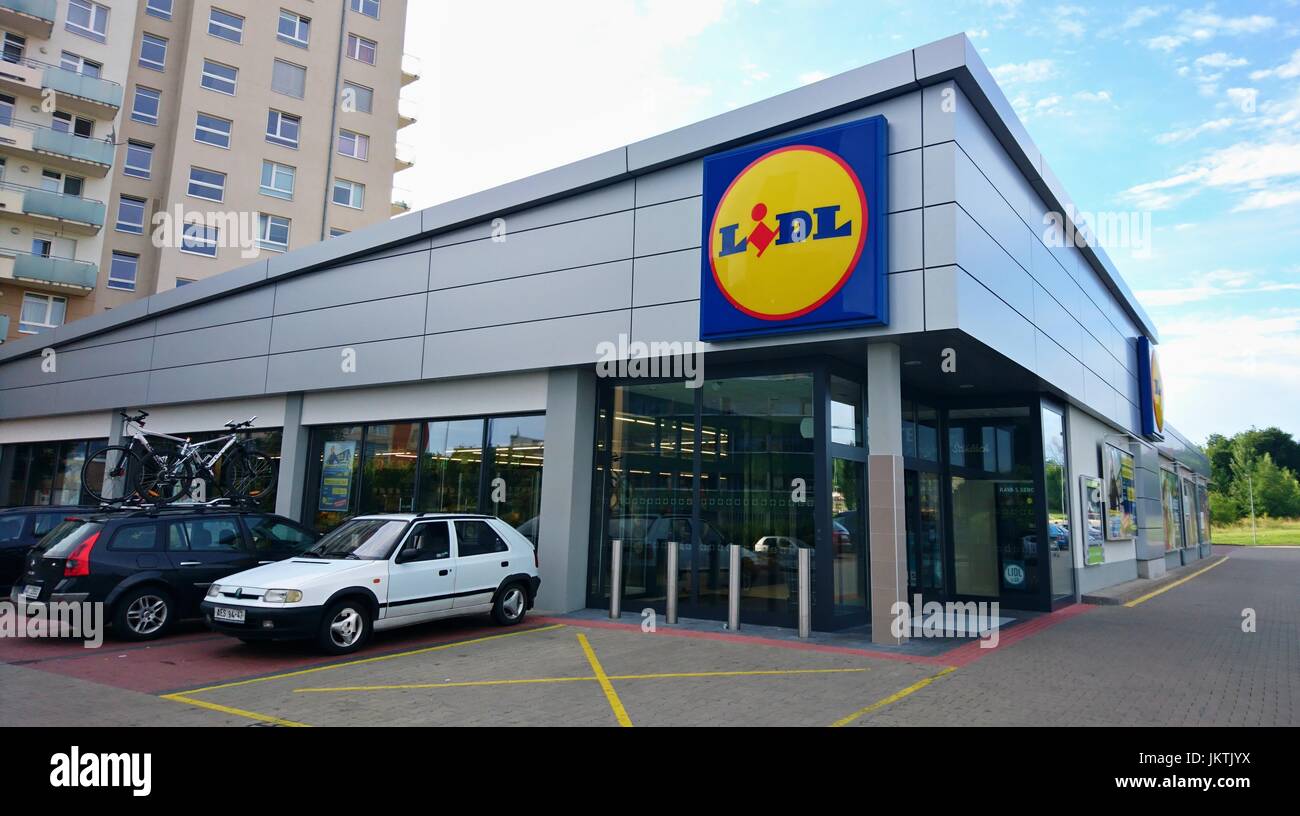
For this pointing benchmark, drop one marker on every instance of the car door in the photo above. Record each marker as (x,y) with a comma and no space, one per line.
(421,578)
(274,539)
(482,561)
(203,550)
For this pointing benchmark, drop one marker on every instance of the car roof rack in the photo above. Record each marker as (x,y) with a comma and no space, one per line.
(134,509)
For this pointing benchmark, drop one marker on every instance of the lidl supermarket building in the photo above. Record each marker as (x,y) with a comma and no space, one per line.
(898,367)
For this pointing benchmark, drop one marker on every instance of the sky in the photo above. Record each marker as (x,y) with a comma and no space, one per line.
(1186,113)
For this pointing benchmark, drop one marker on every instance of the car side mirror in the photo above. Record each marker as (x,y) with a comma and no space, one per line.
(406,554)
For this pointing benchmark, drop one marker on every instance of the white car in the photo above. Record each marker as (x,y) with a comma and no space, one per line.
(381,572)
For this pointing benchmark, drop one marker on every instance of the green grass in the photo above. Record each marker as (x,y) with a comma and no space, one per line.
(1268,532)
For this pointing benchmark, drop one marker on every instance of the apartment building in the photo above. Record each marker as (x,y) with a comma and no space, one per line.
(236,129)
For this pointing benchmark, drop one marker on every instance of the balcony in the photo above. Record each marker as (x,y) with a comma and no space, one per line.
(63,276)
(66,213)
(403,157)
(400,199)
(407,112)
(410,69)
(32,17)
(56,148)
(73,92)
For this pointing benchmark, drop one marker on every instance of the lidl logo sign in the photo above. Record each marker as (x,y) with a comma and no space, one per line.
(1151,390)
(794,234)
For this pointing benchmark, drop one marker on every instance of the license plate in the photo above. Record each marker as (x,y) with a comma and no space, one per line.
(222,613)
(31,591)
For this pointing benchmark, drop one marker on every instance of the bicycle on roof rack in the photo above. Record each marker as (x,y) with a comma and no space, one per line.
(168,469)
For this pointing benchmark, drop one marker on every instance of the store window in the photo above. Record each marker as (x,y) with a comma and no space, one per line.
(515,452)
(451,466)
(1057,500)
(388,468)
(44,473)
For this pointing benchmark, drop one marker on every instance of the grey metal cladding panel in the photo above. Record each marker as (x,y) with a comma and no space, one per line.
(371,280)
(984,316)
(671,183)
(204,381)
(231,341)
(29,401)
(221,285)
(559,181)
(983,203)
(906,241)
(367,322)
(388,361)
(102,393)
(360,242)
(523,346)
(563,246)
(987,261)
(132,331)
(105,361)
(905,181)
(1057,323)
(668,323)
(1052,277)
(941,292)
(601,201)
(902,113)
(1056,365)
(1098,395)
(939,182)
(99,322)
(239,306)
(26,372)
(987,154)
(938,104)
(584,290)
(666,278)
(1095,357)
(668,227)
(791,108)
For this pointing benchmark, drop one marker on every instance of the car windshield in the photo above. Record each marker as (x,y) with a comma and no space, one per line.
(10,528)
(369,539)
(62,540)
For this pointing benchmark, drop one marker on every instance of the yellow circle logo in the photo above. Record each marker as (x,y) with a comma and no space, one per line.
(1157,393)
(788,233)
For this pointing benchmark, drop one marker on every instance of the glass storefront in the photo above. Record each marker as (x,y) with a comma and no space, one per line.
(427,466)
(1056,483)
(1171,502)
(44,473)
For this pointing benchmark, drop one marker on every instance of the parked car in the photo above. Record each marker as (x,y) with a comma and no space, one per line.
(152,568)
(20,529)
(379,572)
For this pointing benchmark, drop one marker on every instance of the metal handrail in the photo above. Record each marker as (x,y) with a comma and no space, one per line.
(10,185)
(23,124)
(35,63)
(5,251)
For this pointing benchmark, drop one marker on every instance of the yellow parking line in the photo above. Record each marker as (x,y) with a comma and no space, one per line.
(763,673)
(616,704)
(1179,582)
(238,712)
(893,698)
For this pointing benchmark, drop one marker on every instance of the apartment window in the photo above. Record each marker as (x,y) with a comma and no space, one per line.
(207,184)
(153,52)
(159,8)
(336,232)
(293,29)
(139,160)
(283,129)
(200,239)
(273,233)
(357,98)
(88,19)
(219,78)
(43,246)
(122,271)
(277,180)
(289,79)
(355,145)
(12,47)
(225,25)
(78,125)
(6,109)
(349,194)
(361,49)
(78,64)
(145,105)
(41,312)
(130,215)
(370,8)
(212,130)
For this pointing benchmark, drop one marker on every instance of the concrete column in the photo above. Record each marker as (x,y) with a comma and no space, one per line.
(566,489)
(1149,545)
(291,483)
(887,520)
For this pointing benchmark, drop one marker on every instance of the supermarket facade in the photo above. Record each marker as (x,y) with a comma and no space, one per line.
(833,320)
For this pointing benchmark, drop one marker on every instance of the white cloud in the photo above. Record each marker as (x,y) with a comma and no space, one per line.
(977,33)
(1205,25)
(1140,15)
(1268,199)
(1187,134)
(1165,42)
(1093,96)
(1287,70)
(1242,167)
(1214,285)
(1037,70)
(1220,59)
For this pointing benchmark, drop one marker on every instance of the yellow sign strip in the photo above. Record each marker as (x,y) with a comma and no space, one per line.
(1170,586)
(893,698)
(616,704)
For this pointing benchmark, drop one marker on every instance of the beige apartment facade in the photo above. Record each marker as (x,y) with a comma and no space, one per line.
(243,129)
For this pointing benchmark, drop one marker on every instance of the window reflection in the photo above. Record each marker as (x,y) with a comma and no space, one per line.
(451,465)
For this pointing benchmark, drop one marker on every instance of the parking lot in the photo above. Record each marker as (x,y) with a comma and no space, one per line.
(1176,657)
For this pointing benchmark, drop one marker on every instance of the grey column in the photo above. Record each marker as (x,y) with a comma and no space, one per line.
(887,520)
(1150,542)
(291,483)
(566,489)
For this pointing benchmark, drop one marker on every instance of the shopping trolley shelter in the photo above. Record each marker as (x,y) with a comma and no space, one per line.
(898,371)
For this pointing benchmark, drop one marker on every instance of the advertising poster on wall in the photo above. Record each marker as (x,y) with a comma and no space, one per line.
(1171,500)
(1121,494)
(336,476)
(1094,519)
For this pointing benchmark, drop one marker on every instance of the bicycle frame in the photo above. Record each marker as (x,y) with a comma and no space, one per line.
(189,451)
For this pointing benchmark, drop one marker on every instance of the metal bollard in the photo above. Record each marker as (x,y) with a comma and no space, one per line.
(733,590)
(805,592)
(671,615)
(616,579)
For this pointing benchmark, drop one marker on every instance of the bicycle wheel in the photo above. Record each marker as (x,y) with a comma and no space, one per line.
(247,476)
(112,474)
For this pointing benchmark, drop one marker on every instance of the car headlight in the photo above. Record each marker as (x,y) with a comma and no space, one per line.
(282,596)
(214,590)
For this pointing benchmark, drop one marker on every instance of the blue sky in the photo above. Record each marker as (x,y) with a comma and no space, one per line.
(1189,112)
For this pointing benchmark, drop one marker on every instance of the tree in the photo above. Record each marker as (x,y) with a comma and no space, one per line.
(1277,493)
(1275,442)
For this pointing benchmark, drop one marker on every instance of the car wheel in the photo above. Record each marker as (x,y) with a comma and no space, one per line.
(143,614)
(511,605)
(345,627)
